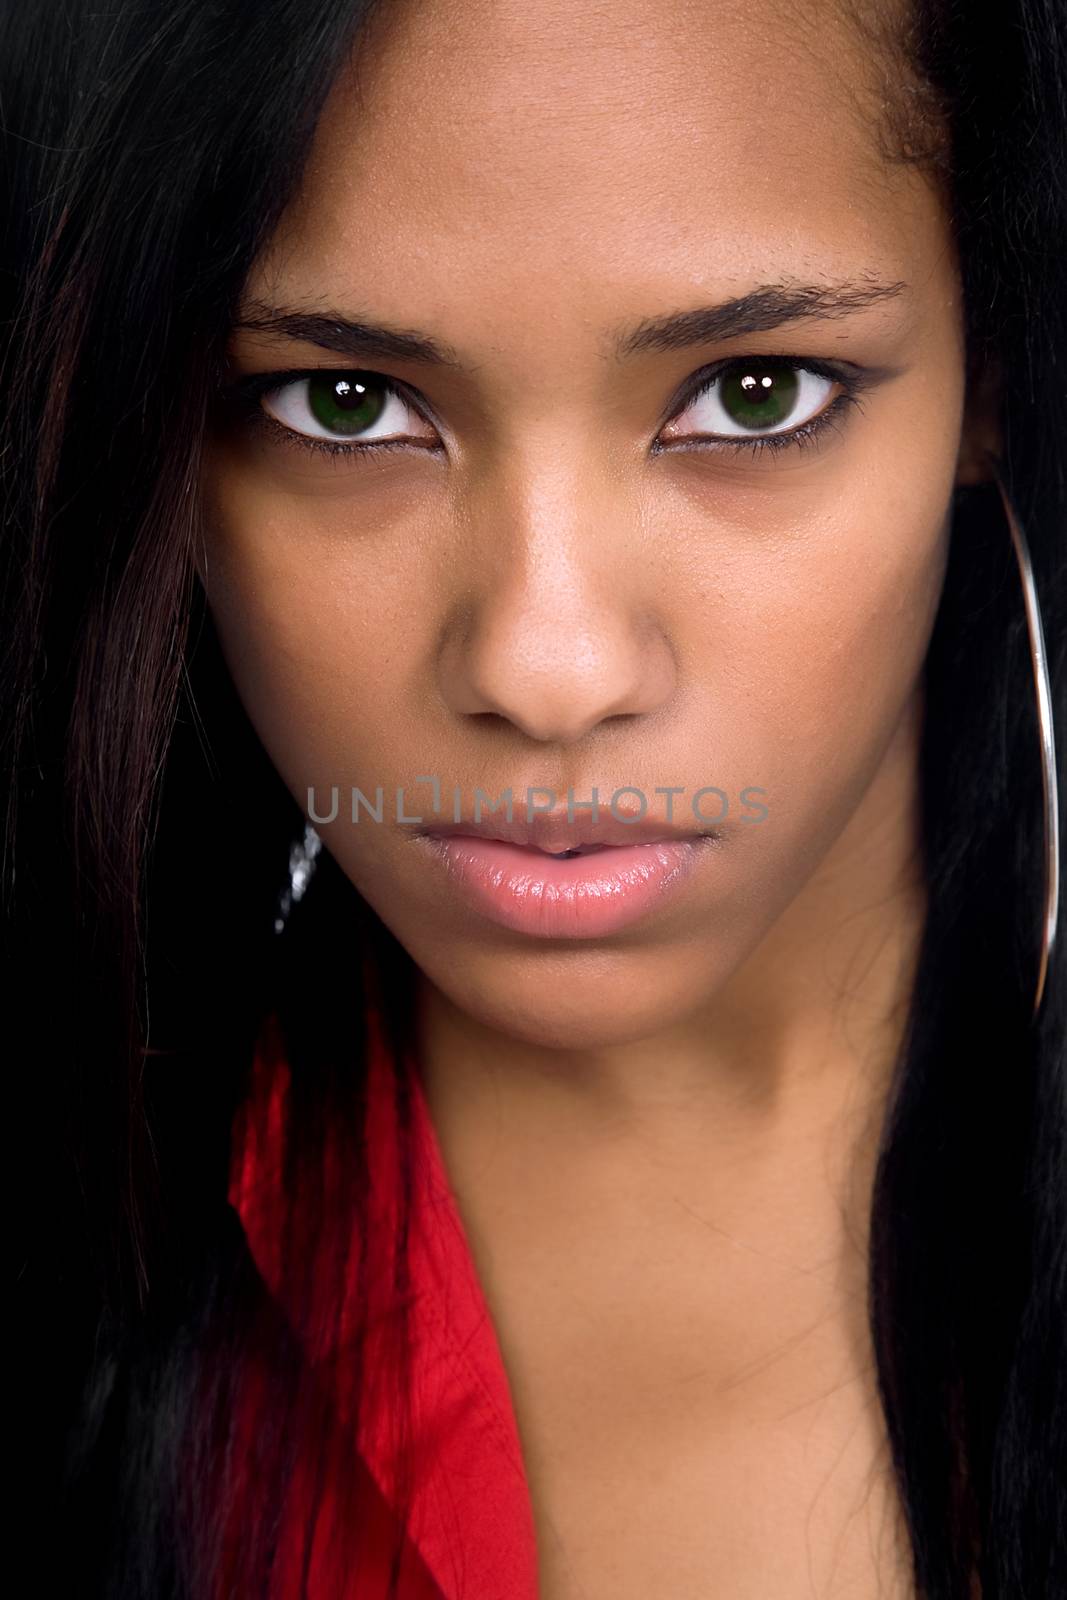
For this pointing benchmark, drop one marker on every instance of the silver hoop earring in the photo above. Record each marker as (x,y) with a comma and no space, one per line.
(302,853)
(1043,690)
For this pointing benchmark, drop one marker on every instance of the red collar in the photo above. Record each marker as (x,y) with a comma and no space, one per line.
(472,1522)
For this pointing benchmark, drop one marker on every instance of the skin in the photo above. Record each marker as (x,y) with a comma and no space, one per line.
(661,1142)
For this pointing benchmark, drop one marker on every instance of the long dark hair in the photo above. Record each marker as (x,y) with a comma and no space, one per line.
(148,153)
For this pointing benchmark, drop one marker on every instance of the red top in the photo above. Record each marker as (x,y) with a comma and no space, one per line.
(471,1532)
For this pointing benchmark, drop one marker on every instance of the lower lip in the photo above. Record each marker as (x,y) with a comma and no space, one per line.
(583,897)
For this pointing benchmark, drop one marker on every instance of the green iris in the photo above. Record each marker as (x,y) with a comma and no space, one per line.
(759,397)
(346,402)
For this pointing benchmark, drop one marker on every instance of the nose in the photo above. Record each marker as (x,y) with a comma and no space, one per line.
(559,626)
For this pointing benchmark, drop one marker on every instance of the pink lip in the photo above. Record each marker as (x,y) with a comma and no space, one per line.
(583,897)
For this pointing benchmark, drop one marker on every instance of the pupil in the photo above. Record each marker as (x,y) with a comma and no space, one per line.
(347,402)
(760,397)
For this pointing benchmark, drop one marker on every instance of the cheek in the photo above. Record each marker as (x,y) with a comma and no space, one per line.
(316,651)
(848,643)
(818,651)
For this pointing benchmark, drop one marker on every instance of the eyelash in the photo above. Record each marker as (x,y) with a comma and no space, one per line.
(249,391)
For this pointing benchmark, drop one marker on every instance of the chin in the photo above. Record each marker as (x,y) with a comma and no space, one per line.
(581,999)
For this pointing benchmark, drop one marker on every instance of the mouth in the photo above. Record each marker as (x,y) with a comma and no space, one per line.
(562,838)
(564,894)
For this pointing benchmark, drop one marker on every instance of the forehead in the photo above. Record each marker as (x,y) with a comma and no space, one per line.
(490,149)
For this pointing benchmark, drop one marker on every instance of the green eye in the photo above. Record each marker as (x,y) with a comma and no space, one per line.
(761,402)
(346,403)
(756,397)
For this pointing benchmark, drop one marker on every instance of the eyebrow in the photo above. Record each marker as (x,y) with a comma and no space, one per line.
(347,336)
(771,305)
(766,307)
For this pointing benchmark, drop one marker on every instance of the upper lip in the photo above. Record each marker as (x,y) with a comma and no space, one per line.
(554,831)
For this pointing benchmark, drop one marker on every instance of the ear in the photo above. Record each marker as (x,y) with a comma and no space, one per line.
(981,431)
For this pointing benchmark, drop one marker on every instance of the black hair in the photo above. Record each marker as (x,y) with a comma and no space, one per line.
(148,153)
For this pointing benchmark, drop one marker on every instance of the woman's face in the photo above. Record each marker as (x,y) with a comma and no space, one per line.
(571,569)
